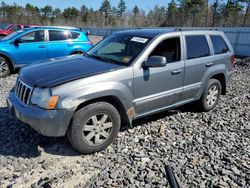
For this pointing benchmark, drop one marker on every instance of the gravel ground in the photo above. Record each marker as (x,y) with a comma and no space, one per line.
(205,149)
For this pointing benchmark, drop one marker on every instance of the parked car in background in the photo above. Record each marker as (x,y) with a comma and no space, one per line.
(128,75)
(35,44)
(12,28)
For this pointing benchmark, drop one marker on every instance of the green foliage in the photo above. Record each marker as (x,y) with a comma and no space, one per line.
(176,13)
(121,8)
(106,8)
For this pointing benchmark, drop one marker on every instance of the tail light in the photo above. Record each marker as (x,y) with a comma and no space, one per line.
(89,42)
(232,59)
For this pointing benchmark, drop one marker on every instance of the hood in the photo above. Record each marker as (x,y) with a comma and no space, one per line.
(63,70)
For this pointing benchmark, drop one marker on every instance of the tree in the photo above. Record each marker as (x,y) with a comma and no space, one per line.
(121,8)
(106,9)
(136,10)
(70,13)
(157,16)
(171,13)
(46,11)
(246,15)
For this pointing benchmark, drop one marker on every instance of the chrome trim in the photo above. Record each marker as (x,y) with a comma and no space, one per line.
(23,92)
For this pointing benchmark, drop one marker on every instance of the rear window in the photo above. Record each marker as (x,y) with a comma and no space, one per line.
(219,44)
(75,35)
(197,46)
(55,35)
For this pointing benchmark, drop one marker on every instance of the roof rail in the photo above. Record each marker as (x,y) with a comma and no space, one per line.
(59,27)
(194,28)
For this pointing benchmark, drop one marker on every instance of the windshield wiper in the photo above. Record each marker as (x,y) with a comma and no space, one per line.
(105,59)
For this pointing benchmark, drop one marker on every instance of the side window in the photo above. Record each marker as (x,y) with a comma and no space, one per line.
(34,36)
(75,35)
(219,44)
(16,28)
(55,35)
(169,48)
(197,46)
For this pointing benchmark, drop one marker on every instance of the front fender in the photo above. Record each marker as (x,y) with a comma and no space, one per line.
(79,95)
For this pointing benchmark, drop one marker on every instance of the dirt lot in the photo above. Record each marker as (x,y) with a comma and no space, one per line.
(205,149)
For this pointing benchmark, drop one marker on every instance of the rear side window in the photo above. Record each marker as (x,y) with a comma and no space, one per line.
(197,46)
(55,35)
(219,44)
(75,35)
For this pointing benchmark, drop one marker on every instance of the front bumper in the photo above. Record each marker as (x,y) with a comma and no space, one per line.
(52,123)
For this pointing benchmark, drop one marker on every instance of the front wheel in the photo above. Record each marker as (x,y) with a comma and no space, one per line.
(210,95)
(4,67)
(94,127)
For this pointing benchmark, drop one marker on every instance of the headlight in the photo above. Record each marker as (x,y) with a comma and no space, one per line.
(43,98)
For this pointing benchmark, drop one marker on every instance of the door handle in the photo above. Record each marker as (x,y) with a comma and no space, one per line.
(176,71)
(209,64)
(42,46)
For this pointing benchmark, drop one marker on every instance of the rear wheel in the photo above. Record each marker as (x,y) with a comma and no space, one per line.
(4,67)
(94,127)
(2,36)
(77,53)
(210,96)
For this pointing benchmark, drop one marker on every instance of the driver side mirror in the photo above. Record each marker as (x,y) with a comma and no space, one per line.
(155,61)
(16,42)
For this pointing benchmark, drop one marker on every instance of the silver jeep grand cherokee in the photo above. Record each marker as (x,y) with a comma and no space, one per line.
(126,76)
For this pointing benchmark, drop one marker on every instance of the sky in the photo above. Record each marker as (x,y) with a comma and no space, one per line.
(62,4)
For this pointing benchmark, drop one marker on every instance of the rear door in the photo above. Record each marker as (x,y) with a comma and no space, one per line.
(222,53)
(198,60)
(59,43)
(31,48)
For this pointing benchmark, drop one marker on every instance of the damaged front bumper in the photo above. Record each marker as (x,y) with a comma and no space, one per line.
(52,123)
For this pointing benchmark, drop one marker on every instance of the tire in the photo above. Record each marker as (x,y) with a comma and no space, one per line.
(2,36)
(4,67)
(78,53)
(94,127)
(210,96)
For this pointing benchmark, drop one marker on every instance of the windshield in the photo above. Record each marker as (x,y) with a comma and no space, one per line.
(6,27)
(12,35)
(119,49)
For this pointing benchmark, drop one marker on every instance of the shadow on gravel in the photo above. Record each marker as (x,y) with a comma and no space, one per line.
(160,115)
(19,140)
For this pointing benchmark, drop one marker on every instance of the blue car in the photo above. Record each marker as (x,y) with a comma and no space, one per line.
(36,44)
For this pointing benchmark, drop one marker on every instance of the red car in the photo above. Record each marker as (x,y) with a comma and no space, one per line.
(12,28)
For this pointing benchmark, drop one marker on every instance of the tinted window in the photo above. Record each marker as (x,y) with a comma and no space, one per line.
(34,36)
(169,48)
(75,35)
(197,46)
(16,27)
(219,44)
(59,35)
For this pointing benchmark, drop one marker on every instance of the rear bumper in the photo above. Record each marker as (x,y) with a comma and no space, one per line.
(52,123)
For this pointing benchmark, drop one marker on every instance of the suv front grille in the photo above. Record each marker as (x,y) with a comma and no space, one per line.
(23,92)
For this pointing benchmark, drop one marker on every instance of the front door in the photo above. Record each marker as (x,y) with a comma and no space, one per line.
(30,48)
(158,88)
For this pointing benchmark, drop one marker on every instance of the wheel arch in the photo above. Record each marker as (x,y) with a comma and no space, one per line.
(222,79)
(76,51)
(113,100)
(12,68)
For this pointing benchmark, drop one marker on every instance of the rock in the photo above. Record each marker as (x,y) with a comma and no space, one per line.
(145,160)
(236,171)
(114,174)
(208,149)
